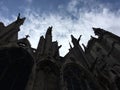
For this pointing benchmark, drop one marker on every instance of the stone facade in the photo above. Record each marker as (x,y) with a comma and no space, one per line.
(22,67)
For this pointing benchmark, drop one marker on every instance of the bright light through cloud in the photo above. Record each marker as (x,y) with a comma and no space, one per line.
(70,20)
(29,1)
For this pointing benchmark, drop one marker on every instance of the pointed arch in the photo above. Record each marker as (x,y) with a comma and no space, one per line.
(47,76)
(78,78)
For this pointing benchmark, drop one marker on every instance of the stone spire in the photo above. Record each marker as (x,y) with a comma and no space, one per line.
(47,47)
(75,41)
(78,51)
(48,40)
(49,32)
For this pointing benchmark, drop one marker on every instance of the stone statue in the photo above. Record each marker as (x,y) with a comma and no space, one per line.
(10,33)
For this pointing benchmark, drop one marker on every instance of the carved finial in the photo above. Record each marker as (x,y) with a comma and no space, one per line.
(79,38)
(74,41)
(27,36)
(49,30)
(59,46)
(19,20)
(18,16)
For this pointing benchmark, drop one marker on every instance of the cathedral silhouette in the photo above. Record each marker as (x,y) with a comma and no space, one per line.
(22,67)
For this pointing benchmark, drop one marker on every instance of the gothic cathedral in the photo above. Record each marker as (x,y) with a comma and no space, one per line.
(22,67)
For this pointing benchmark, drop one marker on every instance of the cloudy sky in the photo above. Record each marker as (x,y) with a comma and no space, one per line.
(67,17)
